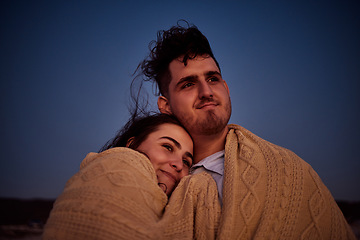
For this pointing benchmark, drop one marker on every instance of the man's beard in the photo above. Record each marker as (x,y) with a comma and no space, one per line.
(209,124)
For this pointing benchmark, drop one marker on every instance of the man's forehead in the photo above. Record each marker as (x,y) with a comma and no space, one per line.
(197,66)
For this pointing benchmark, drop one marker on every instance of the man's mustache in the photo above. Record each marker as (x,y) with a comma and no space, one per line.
(206,102)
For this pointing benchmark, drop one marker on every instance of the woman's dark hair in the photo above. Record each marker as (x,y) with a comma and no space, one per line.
(178,41)
(139,128)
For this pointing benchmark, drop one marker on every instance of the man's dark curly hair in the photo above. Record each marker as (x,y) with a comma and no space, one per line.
(187,42)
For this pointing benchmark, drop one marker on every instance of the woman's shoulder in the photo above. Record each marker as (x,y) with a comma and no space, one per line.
(113,154)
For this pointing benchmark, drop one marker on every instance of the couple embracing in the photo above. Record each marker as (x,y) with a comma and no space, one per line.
(186,173)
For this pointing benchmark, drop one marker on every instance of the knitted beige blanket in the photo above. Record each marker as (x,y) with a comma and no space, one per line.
(115,196)
(270,193)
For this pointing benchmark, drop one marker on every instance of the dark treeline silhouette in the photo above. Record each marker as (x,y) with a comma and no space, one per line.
(36,212)
(21,211)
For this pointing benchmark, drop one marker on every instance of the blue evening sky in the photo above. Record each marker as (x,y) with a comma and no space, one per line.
(293,68)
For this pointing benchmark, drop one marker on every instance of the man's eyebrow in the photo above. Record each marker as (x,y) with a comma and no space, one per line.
(212,73)
(190,78)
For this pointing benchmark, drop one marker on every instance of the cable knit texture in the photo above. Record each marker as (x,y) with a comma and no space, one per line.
(115,196)
(270,193)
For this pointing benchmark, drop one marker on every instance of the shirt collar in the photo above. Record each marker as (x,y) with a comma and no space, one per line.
(214,162)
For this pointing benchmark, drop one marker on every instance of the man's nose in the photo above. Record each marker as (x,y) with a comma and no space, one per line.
(205,90)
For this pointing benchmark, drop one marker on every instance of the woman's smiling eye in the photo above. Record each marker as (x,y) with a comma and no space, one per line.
(187,163)
(168,147)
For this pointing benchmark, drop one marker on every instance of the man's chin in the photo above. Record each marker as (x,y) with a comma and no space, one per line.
(205,122)
(209,126)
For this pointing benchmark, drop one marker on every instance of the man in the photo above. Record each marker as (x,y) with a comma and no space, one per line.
(266,191)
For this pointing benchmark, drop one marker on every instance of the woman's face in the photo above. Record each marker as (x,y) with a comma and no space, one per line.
(170,150)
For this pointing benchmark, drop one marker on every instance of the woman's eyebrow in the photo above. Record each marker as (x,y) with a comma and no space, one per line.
(177,144)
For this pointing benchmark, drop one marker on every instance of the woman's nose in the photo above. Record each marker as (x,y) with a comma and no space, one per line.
(177,164)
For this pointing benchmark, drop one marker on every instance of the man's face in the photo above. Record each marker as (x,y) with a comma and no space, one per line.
(197,96)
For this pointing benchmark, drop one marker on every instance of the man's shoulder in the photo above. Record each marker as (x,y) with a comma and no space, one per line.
(269,151)
(252,136)
(263,144)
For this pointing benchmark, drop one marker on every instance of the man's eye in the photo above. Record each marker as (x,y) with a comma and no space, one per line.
(213,79)
(186,85)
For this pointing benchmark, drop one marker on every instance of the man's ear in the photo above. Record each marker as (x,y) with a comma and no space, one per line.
(130,141)
(163,105)
(227,87)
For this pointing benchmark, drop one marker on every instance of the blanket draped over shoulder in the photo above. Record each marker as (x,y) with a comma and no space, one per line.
(270,193)
(115,195)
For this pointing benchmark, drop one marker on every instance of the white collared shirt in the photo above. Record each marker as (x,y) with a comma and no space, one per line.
(214,165)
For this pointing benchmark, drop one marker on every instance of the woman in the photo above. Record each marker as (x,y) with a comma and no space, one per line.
(163,140)
(122,192)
